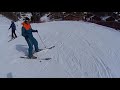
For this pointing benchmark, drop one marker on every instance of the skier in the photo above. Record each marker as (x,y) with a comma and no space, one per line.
(13,27)
(27,34)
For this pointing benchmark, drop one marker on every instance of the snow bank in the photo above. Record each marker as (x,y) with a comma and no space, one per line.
(45,18)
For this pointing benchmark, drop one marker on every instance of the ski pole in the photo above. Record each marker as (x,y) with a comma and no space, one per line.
(8,33)
(41,40)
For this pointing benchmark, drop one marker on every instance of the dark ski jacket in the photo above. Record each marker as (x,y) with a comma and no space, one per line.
(27,32)
(13,26)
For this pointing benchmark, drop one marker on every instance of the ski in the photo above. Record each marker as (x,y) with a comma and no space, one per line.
(25,57)
(11,39)
(50,47)
(44,49)
(47,48)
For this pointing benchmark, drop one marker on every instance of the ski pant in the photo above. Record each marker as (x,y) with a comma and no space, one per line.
(31,41)
(14,34)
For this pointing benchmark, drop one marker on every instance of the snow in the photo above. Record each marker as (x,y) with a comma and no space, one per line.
(45,18)
(104,18)
(82,50)
(4,20)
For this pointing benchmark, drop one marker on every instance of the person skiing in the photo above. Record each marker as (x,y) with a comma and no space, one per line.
(13,27)
(31,41)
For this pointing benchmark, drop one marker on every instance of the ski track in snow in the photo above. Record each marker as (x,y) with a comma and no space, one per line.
(74,64)
(103,70)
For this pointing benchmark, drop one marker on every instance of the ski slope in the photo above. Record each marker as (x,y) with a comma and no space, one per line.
(82,50)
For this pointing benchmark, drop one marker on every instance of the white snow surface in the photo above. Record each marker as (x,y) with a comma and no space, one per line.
(82,50)
(45,18)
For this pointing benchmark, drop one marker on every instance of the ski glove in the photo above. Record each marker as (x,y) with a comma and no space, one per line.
(34,30)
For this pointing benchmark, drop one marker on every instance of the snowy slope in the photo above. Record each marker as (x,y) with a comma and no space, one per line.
(82,50)
(4,20)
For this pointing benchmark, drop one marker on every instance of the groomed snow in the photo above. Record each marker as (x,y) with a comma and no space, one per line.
(82,50)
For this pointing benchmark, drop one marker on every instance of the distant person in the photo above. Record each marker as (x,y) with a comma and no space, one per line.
(13,27)
(27,34)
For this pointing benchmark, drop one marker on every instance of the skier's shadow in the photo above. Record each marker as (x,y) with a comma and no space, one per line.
(22,48)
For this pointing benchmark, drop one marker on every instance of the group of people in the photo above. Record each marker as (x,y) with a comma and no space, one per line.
(26,32)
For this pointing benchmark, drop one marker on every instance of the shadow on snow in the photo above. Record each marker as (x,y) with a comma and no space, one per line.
(22,48)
